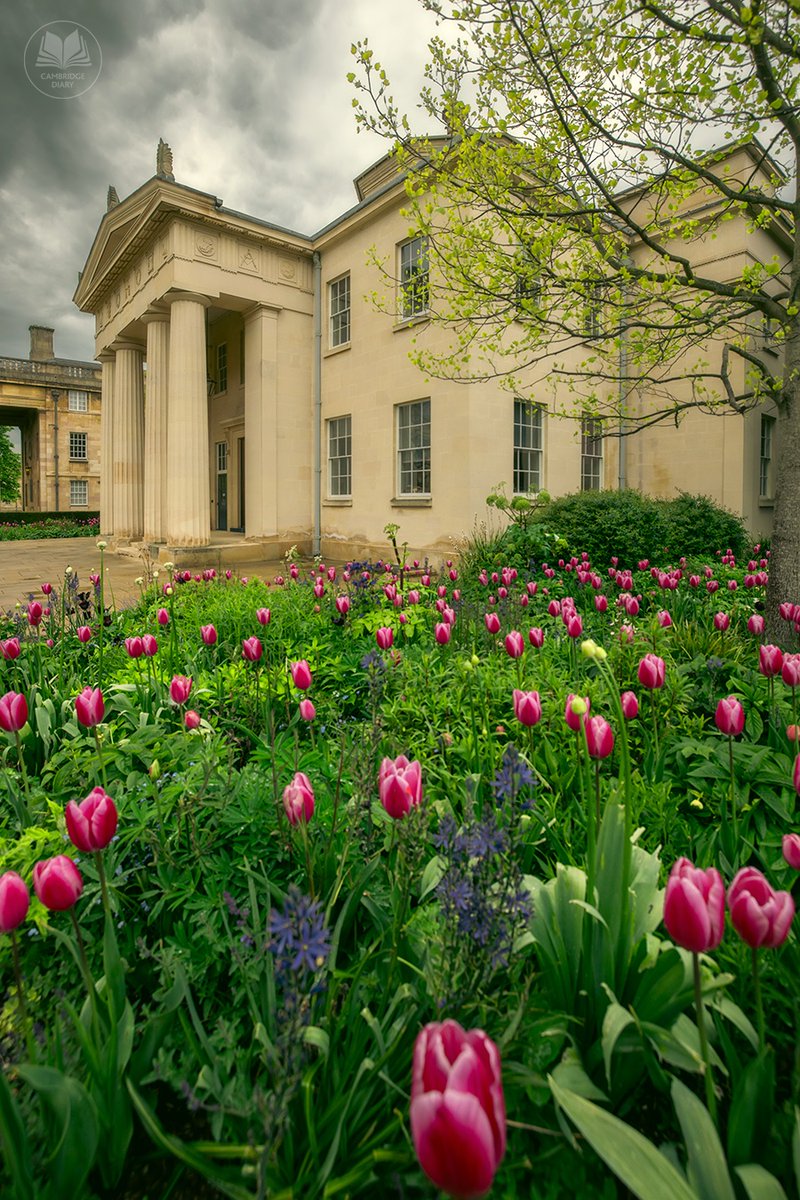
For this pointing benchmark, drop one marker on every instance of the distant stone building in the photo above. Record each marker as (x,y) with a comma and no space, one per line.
(55,403)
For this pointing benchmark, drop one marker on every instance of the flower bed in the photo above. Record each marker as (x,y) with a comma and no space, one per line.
(355,883)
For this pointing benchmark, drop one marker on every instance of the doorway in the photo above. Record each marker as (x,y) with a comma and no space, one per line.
(222,485)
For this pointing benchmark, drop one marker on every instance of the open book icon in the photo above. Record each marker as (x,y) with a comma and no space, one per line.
(69,51)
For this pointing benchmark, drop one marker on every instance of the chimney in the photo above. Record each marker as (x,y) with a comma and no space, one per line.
(41,343)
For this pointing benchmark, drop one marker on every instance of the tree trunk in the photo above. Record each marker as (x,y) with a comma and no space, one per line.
(784,568)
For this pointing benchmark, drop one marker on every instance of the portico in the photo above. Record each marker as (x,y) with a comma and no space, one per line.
(204,332)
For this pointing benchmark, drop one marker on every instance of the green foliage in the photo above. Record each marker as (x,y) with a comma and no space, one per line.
(10,467)
(605,524)
(49,527)
(697,525)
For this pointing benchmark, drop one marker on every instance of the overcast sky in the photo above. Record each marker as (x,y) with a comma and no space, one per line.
(251,95)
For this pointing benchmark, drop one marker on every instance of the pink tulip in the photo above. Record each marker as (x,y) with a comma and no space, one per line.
(755,624)
(10,648)
(536,638)
(630,705)
(179,689)
(84,634)
(443,631)
(149,645)
(47,589)
(575,720)
(515,644)
(770,660)
(91,824)
(694,907)
(209,635)
(14,901)
(458,1119)
(796,775)
(729,716)
(651,671)
(307,710)
(760,915)
(162,616)
(134,646)
(721,621)
(35,611)
(790,670)
(13,712)
(343,605)
(492,622)
(191,719)
(263,616)
(89,707)
(252,649)
(599,737)
(664,619)
(791,850)
(601,603)
(399,785)
(574,626)
(527,707)
(301,675)
(57,882)
(384,637)
(298,800)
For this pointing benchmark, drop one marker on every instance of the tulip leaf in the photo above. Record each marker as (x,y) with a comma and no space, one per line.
(317,1037)
(432,875)
(15,1144)
(759,1184)
(616,1020)
(73,1129)
(750,1117)
(796,1147)
(707,1168)
(571,1074)
(632,1158)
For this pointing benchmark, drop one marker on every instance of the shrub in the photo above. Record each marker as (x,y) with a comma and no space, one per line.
(697,526)
(625,525)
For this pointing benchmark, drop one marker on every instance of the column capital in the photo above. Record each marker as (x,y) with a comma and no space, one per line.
(154,313)
(106,356)
(171,297)
(127,344)
(261,310)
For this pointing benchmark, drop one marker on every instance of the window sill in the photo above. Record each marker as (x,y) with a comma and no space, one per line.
(411,501)
(336,349)
(765,502)
(338,502)
(409,322)
(80,460)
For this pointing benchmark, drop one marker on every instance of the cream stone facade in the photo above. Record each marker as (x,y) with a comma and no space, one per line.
(55,403)
(280,403)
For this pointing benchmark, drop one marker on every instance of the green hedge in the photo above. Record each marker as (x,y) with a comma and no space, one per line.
(34,518)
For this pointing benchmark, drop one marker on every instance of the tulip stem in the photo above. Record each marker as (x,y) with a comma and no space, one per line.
(102,623)
(100,755)
(23,1008)
(654,704)
(762,1036)
(711,1096)
(733,787)
(309,871)
(87,975)
(98,857)
(26,787)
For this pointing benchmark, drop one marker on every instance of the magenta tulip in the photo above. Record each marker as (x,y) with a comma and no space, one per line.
(527,707)
(13,712)
(179,689)
(694,907)
(574,625)
(57,882)
(575,719)
(536,638)
(191,719)
(263,616)
(343,605)
(791,850)
(307,710)
(209,635)
(492,622)
(796,775)
(729,716)
(35,612)
(384,637)
(443,631)
(721,621)
(162,616)
(90,707)
(630,705)
(10,648)
(14,901)
(298,800)
(301,675)
(252,649)
(770,660)
(651,672)
(599,737)
(84,634)
(149,645)
(399,785)
(134,647)
(458,1119)
(91,824)
(755,624)
(515,644)
(790,670)
(760,915)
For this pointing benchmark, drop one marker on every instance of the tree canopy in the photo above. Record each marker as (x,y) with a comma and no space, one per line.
(589,156)
(10,467)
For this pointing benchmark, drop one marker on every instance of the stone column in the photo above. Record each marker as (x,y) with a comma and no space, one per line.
(188,486)
(261,421)
(155,426)
(107,444)
(128,450)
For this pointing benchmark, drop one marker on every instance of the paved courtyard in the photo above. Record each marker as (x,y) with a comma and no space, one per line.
(25,566)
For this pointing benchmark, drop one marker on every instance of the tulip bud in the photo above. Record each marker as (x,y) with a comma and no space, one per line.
(191,719)
(630,705)
(209,635)
(149,645)
(263,616)
(399,785)
(599,737)
(307,710)
(91,824)
(760,915)
(384,637)
(134,647)
(13,712)
(252,649)
(301,675)
(10,648)
(527,707)
(694,907)
(57,882)
(791,850)
(442,632)
(515,644)
(729,716)
(14,901)
(298,800)
(651,672)
(90,707)
(84,634)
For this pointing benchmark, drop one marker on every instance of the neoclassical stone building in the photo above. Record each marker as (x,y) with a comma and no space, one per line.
(250,388)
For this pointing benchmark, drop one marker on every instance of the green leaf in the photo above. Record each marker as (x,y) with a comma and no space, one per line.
(632,1158)
(317,1037)
(616,1020)
(432,875)
(570,1074)
(750,1117)
(707,1168)
(15,1144)
(72,1130)
(759,1184)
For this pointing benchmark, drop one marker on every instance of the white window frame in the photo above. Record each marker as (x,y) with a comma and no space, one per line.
(222,367)
(413,440)
(78,401)
(78,439)
(414,277)
(339,311)
(591,454)
(766,458)
(76,487)
(340,457)
(528,446)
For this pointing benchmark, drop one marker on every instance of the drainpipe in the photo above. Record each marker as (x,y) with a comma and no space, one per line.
(54,395)
(622,456)
(317,260)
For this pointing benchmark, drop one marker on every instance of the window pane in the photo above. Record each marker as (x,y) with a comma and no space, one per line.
(339,292)
(339,456)
(414,448)
(591,454)
(78,446)
(414,277)
(528,425)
